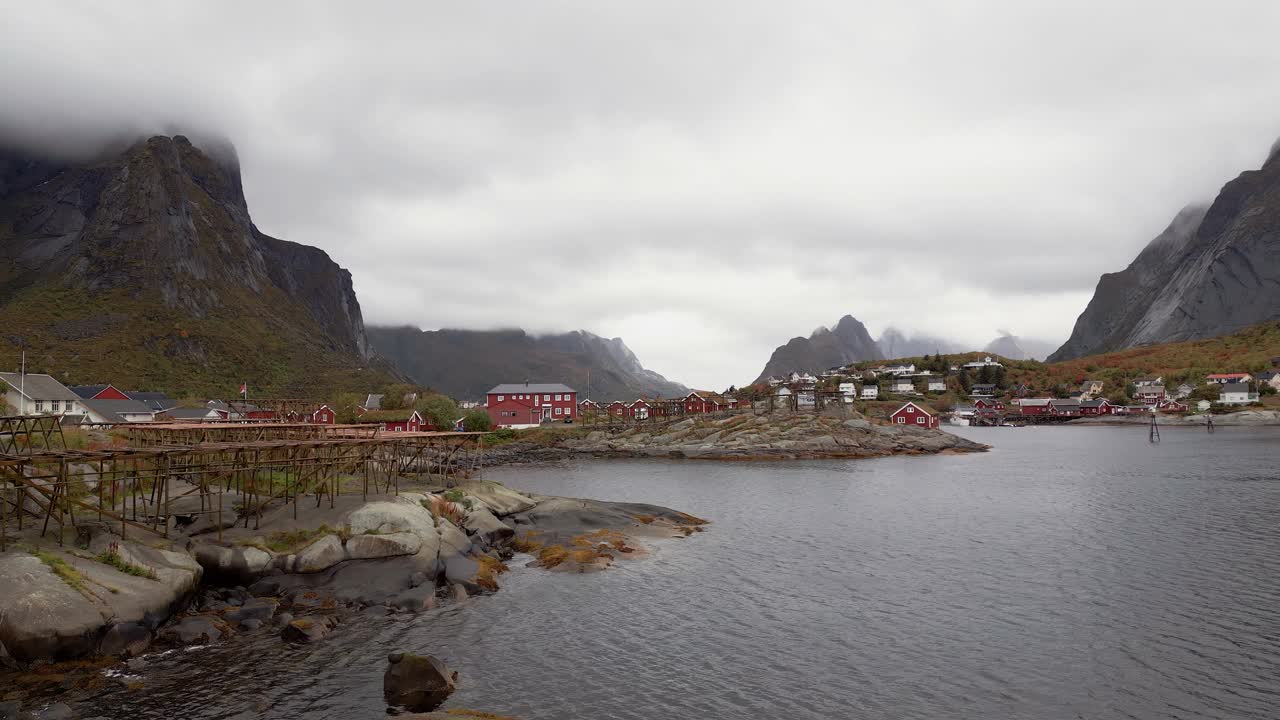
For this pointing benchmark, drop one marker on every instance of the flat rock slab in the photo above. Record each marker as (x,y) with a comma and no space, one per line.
(365,547)
(320,555)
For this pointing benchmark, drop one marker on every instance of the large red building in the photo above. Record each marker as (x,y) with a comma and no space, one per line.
(529,404)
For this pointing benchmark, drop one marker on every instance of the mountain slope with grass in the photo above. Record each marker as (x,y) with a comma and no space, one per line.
(466,363)
(142,267)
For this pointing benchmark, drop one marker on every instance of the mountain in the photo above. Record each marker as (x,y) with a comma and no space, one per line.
(894,343)
(1019,348)
(142,267)
(1213,271)
(825,348)
(466,363)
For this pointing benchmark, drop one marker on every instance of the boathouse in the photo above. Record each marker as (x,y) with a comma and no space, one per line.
(913,414)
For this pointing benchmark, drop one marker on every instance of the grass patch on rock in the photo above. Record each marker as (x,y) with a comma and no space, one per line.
(112,557)
(62,569)
(487,575)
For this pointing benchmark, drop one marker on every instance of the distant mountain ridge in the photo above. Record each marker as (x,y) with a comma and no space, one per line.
(466,363)
(143,268)
(1213,271)
(894,343)
(848,342)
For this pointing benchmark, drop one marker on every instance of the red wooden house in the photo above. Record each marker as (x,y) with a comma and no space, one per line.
(531,404)
(1036,406)
(640,410)
(703,401)
(324,415)
(1101,406)
(986,405)
(1173,406)
(99,392)
(588,407)
(617,408)
(913,414)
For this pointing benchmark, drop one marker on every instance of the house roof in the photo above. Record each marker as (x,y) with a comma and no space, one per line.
(1226,376)
(1094,403)
(87,391)
(1234,388)
(918,406)
(372,402)
(1036,401)
(1065,403)
(115,410)
(389,415)
(38,387)
(188,413)
(1268,375)
(1151,389)
(984,386)
(155,400)
(509,388)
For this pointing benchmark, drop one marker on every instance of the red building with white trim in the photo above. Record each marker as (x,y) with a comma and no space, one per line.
(529,404)
(324,415)
(915,415)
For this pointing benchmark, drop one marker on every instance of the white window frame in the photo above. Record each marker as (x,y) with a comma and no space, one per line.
(920,420)
(902,420)
(547,397)
(501,398)
(558,411)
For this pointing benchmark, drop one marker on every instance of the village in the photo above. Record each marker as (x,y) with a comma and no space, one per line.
(927,392)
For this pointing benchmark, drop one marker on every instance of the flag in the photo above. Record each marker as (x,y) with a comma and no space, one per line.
(244,389)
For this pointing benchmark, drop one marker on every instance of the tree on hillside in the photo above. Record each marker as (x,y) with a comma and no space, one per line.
(984,375)
(999,377)
(344,407)
(963,378)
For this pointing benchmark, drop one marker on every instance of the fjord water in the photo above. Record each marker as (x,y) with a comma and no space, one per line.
(1069,573)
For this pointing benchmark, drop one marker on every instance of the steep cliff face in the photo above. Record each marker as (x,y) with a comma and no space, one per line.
(466,363)
(144,268)
(848,342)
(1215,270)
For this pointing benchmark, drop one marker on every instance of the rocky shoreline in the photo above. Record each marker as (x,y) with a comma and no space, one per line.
(772,437)
(108,599)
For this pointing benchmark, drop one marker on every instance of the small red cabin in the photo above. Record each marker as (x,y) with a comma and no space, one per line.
(702,401)
(1101,406)
(324,415)
(986,405)
(1037,406)
(913,414)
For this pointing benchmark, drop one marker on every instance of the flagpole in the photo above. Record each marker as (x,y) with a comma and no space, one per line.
(22,383)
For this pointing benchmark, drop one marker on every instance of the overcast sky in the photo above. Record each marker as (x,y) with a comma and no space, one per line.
(703,179)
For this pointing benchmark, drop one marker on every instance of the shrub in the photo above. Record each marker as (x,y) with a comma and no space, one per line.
(476,420)
(441,507)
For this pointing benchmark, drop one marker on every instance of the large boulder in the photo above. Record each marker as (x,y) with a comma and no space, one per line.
(487,528)
(499,499)
(233,563)
(419,683)
(320,555)
(365,547)
(41,616)
(391,517)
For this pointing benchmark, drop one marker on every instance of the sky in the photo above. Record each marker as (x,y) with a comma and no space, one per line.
(704,180)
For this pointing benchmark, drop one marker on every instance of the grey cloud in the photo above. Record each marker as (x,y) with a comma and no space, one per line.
(722,175)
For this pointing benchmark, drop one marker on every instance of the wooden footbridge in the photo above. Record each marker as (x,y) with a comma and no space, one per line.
(163,475)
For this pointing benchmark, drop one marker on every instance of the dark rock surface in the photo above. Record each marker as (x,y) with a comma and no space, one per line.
(848,342)
(419,683)
(1213,271)
(161,232)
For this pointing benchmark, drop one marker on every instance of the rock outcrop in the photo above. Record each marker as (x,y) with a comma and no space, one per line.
(825,348)
(1213,271)
(465,363)
(418,683)
(782,436)
(143,265)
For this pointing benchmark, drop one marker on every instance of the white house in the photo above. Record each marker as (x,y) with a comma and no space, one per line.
(902,384)
(936,384)
(900,369)
(870,392)
(984,362)
(101,412)
(1270,377)
(1236,394)
(37,394)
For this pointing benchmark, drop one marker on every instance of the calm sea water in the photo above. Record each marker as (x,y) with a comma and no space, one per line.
(1070,573)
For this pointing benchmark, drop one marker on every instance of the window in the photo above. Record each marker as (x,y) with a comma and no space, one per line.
(557,396)
(558,410)
(902,421)
(546,397)
(500,398)
(39,406)
(920,421)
